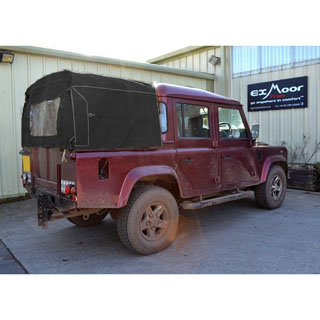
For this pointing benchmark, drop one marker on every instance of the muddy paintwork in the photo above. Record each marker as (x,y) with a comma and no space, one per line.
(197,166)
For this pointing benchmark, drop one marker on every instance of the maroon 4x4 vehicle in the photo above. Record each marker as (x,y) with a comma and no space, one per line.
(94,145)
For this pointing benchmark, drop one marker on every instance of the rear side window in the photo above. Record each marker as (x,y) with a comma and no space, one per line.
(163,117)
(43,118)
(231,125)
(192,120)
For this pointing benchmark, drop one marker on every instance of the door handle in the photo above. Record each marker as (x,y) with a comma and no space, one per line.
(187,160)
(227,158)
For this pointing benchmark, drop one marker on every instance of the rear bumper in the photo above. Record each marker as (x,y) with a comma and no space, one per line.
(49,204)
(61,204)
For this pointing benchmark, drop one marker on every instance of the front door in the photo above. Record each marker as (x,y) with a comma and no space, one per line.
(237,160)
(196,156)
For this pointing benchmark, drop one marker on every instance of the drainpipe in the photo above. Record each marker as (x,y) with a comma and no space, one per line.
(223,72)
(225,76)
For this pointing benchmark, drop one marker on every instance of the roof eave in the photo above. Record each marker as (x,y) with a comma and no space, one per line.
(111,61)
(178,53)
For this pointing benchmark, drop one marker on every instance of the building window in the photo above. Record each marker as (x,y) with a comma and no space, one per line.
(255,59)
(193,121)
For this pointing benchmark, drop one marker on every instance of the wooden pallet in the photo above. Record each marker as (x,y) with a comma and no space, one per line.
(303,177)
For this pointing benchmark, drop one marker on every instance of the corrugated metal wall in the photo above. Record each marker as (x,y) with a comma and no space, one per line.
(195,61)
(256,59)
(290,125)
(253,64)
(26,69)
(198,61)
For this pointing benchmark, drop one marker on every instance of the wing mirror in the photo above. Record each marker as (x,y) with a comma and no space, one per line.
(255,131)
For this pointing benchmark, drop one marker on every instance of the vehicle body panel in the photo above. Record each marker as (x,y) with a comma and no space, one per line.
(197,159)
(200,167)
(95,193)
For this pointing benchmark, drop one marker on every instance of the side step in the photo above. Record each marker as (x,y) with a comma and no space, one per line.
(190,205)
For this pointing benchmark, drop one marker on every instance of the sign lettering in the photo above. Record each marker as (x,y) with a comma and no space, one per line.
(276,95)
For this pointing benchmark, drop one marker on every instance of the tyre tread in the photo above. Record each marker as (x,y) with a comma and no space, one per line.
(124,214)
(261,190)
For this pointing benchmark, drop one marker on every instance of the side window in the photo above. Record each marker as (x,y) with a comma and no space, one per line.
(43,118)
(231,125)
(192,120)
(163,117)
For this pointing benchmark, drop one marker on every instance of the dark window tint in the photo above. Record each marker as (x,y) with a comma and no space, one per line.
(193,121)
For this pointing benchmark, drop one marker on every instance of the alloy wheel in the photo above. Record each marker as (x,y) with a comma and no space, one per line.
(276,187)
(154,221)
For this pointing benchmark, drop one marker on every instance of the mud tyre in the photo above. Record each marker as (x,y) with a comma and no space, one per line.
(114,214)
(89,220)
(271,193)
(149,221)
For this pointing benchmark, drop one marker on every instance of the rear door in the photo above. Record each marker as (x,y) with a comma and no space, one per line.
(45,163)
(197,158)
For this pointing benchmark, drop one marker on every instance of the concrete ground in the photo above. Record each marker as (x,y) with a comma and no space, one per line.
(235,237)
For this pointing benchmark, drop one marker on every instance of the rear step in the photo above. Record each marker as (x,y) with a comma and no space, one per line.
(190,205)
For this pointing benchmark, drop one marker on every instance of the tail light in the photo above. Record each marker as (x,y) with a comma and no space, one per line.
(67,189)
(66,186)
(26,177)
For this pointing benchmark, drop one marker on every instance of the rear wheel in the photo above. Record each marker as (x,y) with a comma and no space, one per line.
(88,220)
(149,221)
(270,194)
(114,214)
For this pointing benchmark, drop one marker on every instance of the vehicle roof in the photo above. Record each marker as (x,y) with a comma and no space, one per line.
(170,90)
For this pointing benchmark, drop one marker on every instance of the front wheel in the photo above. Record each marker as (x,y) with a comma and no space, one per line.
(271,193)
(149,221)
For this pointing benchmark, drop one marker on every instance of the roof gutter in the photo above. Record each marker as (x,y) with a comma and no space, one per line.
(110,61)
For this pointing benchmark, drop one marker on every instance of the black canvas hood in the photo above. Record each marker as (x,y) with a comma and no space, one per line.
(91,112)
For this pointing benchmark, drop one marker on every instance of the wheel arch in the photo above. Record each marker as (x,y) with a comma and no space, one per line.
(271,161)
(162,176)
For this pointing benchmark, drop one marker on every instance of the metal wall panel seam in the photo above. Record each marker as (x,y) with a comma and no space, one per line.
(36,66)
